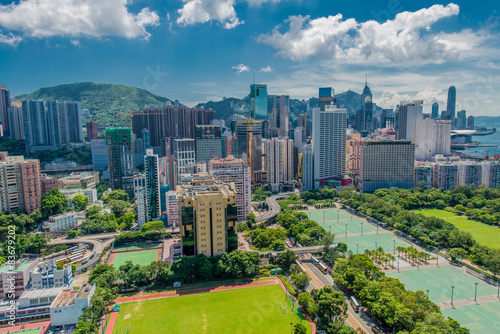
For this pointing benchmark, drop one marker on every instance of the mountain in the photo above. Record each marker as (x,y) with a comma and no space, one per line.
(350,100)
(104,101)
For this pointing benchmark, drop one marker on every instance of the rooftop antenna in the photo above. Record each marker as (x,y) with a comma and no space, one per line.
(366,79)
(254,79)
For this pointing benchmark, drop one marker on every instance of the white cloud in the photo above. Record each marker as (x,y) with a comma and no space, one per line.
(241,68)
(10,39)
(267,69)
(91,18)
(75,42)
(260,2)
(202,11)
(407,37)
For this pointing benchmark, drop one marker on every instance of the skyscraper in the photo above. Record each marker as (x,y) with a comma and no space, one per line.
(307,170)
(326,97)
(329,143)
(410,113)
(65,122)
(249,145)
(364,120)
(258,101)
(4,105)
(99,155)
(16,124)
(470,122)
(36,130)
(281,112)
(435,110)
(208,143)
(91,130)
(470,173)
(184,157)
(279,164)
(120,159)
(451,105)
(433,136)
(151,172)
(491,174)
(461,120)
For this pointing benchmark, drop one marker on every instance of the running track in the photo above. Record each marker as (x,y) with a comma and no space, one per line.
(114,315)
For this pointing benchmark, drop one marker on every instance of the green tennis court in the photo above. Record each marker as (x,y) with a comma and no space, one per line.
(371,241)
(135,247)
(483,318)
(439,281)
(328,214)
(141,257)
(28,331)
(355,226)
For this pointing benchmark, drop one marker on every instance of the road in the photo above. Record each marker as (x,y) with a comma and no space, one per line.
(354,320)
(274,207)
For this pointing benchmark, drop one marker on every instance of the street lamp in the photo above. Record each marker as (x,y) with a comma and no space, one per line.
(357,251)
(291,328)
(324,217)
(398,264)
(346,230)
(427,294)
(475,293)
(452,288)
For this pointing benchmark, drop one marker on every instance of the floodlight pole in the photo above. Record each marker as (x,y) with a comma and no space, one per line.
(452,288)
(475,293)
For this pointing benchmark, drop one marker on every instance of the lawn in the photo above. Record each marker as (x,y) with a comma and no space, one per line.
(483,233)
(142,257)
(248,310)
(483,318)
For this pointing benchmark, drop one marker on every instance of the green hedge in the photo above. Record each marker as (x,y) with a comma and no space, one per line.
(288,285)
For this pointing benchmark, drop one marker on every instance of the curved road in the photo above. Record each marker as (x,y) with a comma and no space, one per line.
(274,207)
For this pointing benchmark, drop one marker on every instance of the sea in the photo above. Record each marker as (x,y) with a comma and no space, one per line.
(493,139)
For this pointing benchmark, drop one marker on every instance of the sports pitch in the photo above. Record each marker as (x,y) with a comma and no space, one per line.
(355,226)
(483,233)
(483,318)
(438,281)
(328,214)
(141,257)
(371,241)
(27,331)
(246,311)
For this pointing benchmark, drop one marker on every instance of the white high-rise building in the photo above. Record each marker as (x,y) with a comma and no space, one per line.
(297,138)
(329,143)
(142,214)
(491,174)
(172,209)
(279,163)
(432,137)
(410,114)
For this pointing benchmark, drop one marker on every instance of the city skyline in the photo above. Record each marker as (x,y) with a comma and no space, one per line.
(431,48)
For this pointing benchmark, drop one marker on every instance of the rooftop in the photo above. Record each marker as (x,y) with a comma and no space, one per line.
(40,293)
(68,297)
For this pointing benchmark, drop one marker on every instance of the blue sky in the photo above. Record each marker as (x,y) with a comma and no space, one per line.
(200,50)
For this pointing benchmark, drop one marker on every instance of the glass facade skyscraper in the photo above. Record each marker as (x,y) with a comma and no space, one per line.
(258,98)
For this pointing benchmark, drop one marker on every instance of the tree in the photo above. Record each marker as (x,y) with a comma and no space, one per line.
(156,225)
(287,258)
(301,280)
(341,247)
(298,328)
(53,203)
(73,234)
(80,202)
(126,221)
(116,195)
(93,211)
(119,207)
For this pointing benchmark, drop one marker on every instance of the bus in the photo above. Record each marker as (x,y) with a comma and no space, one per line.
(355,304)
(319,265)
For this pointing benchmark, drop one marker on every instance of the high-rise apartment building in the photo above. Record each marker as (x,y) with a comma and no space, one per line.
(444,175)
(281,114)
(184,157)
(423,176)
(470,173)
(410,114)
(20,184)
(36,130)
(151,172)
(329,143)
(435,110)
(99,155)
(4,106)
(142,205)
(120,159)
(15,121)
(307,170)
(387,164)
(208,143)
(490,174)
(207,218)
(65,122)
(249,145)
(172,209)
(326,97)
(231,170)
(433,136)
(92,130)
(353,156)
(258,101)
(279,164)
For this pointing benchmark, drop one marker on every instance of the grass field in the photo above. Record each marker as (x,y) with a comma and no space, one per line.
(480,319)
(143,246)
(483,233)
(371,241)
(439,281)
(248,311)
(142,257)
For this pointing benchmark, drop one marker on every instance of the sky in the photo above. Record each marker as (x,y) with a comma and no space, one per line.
(201,50)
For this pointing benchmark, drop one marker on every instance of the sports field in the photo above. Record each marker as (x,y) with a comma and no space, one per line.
(328,214)
(483,233)
(355,226)
(248,310)
(438,280)
(371,241)
(483,318)
(27,331)
(141,257)
(135,247)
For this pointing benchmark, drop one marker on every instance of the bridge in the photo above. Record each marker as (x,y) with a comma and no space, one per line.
(274,207)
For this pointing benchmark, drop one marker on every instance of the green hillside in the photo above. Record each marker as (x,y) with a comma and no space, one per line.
(103,100)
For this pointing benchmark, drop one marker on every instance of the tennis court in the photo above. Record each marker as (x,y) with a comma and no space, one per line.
(328,214)
(371,241)
(28,331)
(138,246)
(439,280)
(139,257)
(355,226)
(483,318)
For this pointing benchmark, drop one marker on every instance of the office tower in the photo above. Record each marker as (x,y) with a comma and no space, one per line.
(151,172)
(469,173)
(303,123)
(451,105)
(281,112)
(183,157)
(120,159)
(435,110)
(207,217)
(249,145)
(423,176)
(470,122)
(433,136)
(307,170)
(229,145)
(365,114)
(490,174)
(258,101)
(387,164)
(279,164)
(20,184)
(208,143)
(297,138)
(92,130)
(444,175)
(326,97)
(4,106)
(15,121)
(35,125)
(410,113)
(461,120)
(328,143)
(231,170)
(100,160)
(142,205)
